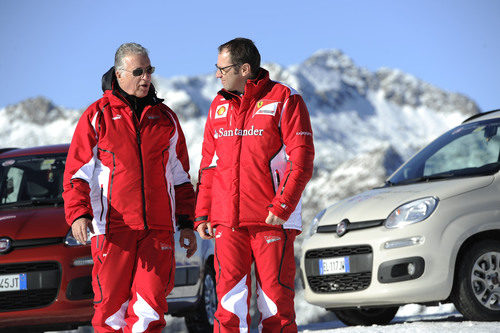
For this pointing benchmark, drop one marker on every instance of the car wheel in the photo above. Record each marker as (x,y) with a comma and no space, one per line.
(366,316)
(202,318)
(476,293)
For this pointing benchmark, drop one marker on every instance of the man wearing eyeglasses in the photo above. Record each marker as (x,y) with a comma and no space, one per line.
(126,181)
(257,157)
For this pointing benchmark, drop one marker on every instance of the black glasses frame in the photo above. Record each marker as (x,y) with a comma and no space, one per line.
(140,71)
(224,70)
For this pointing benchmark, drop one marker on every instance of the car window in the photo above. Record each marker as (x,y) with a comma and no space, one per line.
(468,150)
(34,179)
(13,184)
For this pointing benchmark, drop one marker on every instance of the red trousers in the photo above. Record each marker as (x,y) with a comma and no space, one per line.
(272,251)
(132,275)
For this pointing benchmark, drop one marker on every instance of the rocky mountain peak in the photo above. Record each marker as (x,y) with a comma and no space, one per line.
(37,110)
(405,89)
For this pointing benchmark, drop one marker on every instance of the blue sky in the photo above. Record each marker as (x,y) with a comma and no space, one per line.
(60,48)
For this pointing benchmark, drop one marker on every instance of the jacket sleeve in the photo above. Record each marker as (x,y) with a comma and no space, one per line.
(298,138)
(205,176)
(79,167)
(184,193)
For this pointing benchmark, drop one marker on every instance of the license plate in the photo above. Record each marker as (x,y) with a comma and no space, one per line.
(13,282)
(334,265)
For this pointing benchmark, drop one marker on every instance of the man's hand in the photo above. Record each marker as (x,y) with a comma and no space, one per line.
(274,220)
(191,246)
(205,230)
(79,229)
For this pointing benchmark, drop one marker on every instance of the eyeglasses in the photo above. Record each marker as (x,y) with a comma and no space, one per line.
(224,70)
(140,71)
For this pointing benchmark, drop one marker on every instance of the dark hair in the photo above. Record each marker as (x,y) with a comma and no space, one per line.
(243,50)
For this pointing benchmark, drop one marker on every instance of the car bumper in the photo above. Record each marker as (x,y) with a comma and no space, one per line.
(58,290)
(378,276)
(186,293)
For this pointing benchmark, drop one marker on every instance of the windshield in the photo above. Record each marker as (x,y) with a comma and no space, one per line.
(31,180)
(467,150)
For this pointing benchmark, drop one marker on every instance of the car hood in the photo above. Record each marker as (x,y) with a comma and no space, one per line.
(31,223)
(378,203)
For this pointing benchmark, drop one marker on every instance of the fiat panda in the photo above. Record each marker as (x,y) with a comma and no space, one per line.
(430,234)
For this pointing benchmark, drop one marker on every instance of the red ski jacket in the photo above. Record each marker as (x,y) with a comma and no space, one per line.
(257,156)
(127,173)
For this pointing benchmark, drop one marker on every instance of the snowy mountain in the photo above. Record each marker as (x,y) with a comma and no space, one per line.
(36,121)
(365,124)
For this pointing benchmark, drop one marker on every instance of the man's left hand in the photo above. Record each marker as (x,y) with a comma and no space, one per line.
(274,220)
(191,246)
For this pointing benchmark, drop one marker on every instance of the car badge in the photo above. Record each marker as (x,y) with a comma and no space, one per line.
(5,245)
(342,227)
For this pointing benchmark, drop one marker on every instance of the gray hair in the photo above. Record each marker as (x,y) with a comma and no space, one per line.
(126,49)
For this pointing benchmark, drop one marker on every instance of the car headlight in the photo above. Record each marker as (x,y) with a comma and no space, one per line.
(411,212)
(69,240)
(315,222)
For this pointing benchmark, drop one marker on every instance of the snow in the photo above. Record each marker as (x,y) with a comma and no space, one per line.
(410,318)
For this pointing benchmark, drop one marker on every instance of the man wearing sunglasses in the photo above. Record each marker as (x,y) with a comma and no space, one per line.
(257,157)
(127,182)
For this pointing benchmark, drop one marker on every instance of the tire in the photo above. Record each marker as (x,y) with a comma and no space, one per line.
(476,292)
(366,316)
(201,319)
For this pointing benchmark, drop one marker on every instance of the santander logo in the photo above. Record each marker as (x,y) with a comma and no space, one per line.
(252,131)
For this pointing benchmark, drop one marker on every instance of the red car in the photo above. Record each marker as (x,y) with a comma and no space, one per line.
(45,275)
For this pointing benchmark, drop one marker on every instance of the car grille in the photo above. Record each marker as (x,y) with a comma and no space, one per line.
(28,267)
(334,283)
(26,299)
(340,283)
(338,251)
(18,300)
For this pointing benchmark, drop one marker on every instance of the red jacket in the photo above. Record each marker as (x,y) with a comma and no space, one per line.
(126,173)
(257,156)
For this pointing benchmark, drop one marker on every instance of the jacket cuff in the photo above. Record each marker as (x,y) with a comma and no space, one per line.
(281,210)
(199,220)
(86,215)
(184,222)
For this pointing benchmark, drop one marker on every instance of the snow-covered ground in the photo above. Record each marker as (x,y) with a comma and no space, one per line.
(410,318)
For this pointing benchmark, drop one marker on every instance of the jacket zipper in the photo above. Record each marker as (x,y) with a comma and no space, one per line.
(142,179)
(102,202)
(278,180)
(138,134)
(284,184)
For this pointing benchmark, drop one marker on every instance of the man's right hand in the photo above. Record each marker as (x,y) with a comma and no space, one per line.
(79,229)
(205,230)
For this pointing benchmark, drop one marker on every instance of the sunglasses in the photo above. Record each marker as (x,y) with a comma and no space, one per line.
(140,71)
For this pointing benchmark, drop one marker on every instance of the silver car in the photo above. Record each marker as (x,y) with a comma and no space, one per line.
(193,296)
(430,234)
